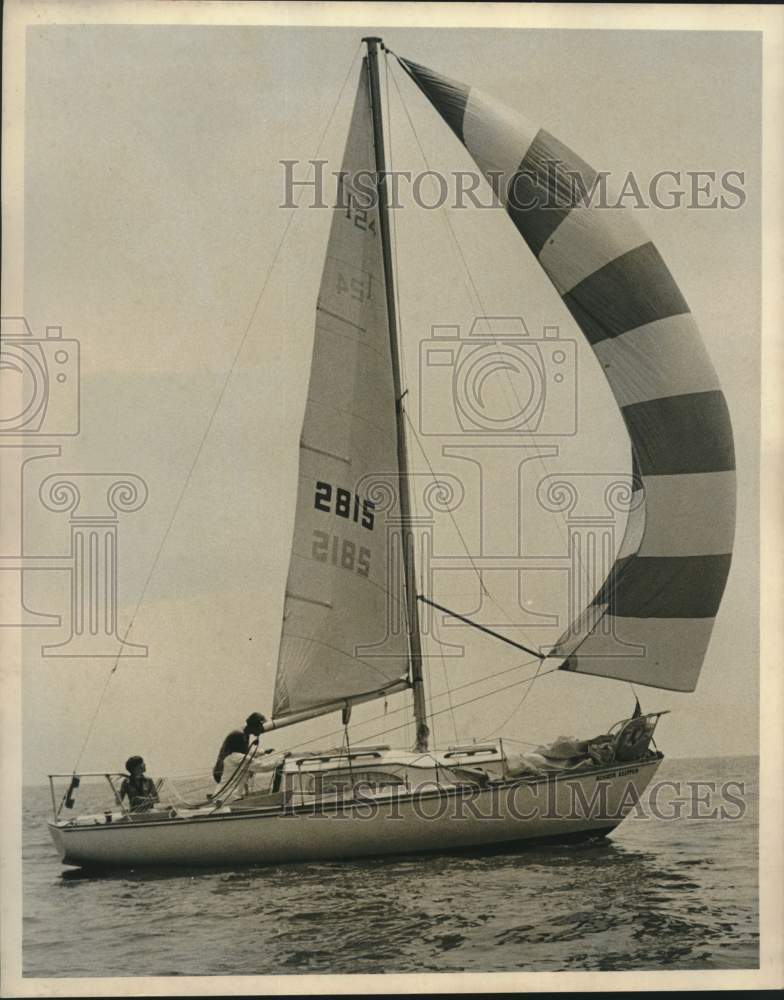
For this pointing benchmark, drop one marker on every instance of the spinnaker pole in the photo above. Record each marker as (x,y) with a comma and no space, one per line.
(407,533)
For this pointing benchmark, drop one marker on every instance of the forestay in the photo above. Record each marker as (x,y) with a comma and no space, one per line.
(651,621)
(343,631)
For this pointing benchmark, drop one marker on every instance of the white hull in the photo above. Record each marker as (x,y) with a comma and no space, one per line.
(427,819)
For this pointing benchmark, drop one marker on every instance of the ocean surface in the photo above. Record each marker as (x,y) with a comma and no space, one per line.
(661,893)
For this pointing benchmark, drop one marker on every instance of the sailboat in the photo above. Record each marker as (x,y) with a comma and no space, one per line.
(352,573)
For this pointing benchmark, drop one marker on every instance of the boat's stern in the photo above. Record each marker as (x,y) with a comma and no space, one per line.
(56,833)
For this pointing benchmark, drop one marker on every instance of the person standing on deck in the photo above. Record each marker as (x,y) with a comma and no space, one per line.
(239,741)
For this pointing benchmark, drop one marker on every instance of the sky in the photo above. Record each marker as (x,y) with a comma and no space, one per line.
(153,187)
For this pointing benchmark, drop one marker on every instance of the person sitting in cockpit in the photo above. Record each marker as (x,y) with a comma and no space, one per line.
(140,790)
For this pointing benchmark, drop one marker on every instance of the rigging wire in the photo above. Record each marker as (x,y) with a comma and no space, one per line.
(347,748)
(525,743)
(403,407)
(401,350)
(456,243)
(470,701)
(408,419)
(517,707)
(410,423)
(477,305)
(405,708)
(451,515)
(208,427)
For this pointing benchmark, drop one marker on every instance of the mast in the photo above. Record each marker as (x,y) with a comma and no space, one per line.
(415,641)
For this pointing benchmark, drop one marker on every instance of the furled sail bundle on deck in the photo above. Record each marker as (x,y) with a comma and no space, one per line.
(338,592)
(651,621)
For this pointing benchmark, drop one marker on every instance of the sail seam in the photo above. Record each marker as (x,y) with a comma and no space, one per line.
(345,655)
(350,413)
(399,682)
(342,319)
(327,454)
(308,600)
(368,580)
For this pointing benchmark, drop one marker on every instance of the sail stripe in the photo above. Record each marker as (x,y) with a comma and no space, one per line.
(659,652)
(448,96)
(671,528)
(632,290)
(663,358)
(681,434)
(635,524)
(497,139)
(665,586)
(551,180)
(588,238)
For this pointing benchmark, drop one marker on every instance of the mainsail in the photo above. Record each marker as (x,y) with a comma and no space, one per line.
(344,635)
(651,621)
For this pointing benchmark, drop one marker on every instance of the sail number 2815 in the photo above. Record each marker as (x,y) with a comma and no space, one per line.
(334,500)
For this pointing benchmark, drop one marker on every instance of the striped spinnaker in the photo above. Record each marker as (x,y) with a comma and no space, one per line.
(651,621)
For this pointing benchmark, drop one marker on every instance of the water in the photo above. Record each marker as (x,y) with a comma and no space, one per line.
(661,894)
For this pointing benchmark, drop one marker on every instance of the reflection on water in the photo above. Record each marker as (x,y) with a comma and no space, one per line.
(678,894)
